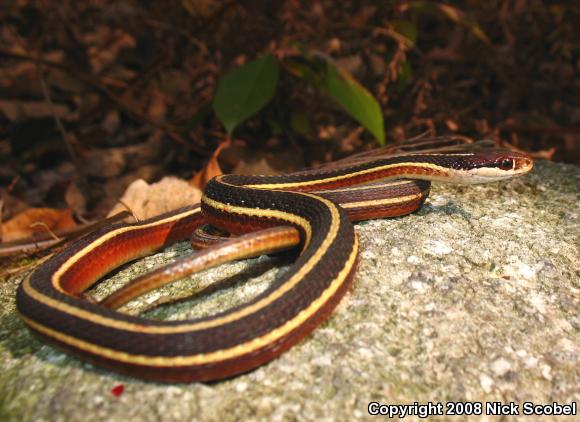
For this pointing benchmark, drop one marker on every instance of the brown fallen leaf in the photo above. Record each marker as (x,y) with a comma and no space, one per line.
(46,241)
(258,166)
(211,169)
(146,201)
(200,8)
(35,221)
(157,105)
(241,159)
(452,125)
(105,46)
(12,204)
(18,110)
(113,162)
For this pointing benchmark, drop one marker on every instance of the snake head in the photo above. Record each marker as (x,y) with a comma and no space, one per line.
(496,165)
(514,161)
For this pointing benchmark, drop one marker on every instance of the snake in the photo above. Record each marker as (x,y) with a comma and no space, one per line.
(315,208)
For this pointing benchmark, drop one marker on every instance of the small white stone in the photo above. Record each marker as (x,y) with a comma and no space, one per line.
(153,298)
(486,383)
(538,303)
(566,345)
(518,269)
(438,200)
(531,362)
(364,352)
(526,271)
(521,353)
(368,254)
(413,259)
(500,367)
(241,387)
(547,372)
(55,357)
(322,360)
(430,307)
(419,285)
(437,247)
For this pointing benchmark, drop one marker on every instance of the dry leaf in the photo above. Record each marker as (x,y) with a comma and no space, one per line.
(211,169)
(157,106)
(258,166)
(75,199)
(200,8)
(12,204)
(22,110)
(105,46)
(146,201)
(35,221)
(114,188)
(244,160)
(113,162)
(451,125)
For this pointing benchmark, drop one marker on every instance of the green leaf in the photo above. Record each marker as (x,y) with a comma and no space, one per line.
(453,14)
(244,91)
(405,74)
(407,29)
(355,99)
(299,123)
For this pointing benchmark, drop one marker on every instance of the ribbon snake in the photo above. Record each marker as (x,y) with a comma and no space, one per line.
(314,209)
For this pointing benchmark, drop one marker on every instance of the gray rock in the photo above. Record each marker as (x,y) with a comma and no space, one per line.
(474,298)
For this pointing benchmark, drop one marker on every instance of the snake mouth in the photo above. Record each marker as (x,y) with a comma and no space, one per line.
(524,164)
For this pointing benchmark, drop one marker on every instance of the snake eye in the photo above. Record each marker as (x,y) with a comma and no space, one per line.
(506,164)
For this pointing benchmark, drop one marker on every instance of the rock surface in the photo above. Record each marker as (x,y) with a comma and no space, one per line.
(475,298)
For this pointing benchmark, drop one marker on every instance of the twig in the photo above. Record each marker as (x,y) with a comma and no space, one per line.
(63,133)
(48,230)
(27,246)
(23,268)
(129,210)
(13,182)
(82,180)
